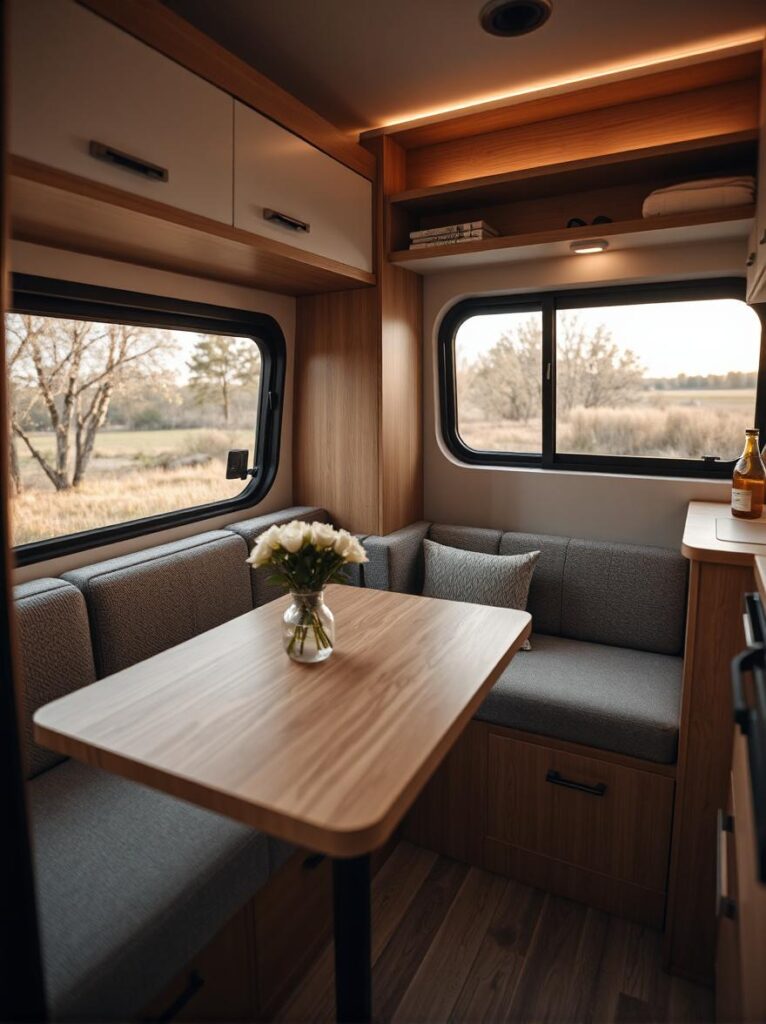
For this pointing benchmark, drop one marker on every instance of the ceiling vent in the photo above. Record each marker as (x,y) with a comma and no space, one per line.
(514,17)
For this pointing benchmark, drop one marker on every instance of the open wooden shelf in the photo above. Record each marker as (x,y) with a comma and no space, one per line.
(55,208)
(706,224)
(717,154)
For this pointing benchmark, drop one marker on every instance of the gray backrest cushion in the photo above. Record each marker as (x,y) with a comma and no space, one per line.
(396,560)
(250,529)
(469,538)
(56,653)
(545,593)
(456,574)
(624,594)
(145,602)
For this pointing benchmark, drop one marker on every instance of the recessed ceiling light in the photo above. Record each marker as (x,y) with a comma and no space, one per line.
(514,17)
(589,245)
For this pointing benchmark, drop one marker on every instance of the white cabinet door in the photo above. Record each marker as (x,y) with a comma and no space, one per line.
(77,80)
(286,189)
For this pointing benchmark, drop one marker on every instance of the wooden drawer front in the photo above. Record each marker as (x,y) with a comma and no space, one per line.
(623,833)
(292,919)
(89,81)
(275,170)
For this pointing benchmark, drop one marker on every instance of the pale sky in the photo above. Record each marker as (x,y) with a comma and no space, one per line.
(712,336)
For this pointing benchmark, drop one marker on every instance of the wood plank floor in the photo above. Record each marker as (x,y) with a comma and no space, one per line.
(453,943)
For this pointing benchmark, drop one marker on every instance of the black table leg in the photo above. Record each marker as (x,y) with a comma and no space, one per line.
(353,940)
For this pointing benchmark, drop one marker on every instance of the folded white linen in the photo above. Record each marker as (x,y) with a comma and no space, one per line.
(747,180)
(689,198)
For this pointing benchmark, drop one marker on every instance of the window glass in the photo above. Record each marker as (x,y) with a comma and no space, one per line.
(114,422)
(663,380)
(498,378)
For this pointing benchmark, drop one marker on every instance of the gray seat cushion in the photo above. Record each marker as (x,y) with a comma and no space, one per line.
(143,603)
(607,697)
(131,884)
(250,529)
(396,560)
(56,653)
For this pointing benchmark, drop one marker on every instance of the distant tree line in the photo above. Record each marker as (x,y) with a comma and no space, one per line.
(735,380)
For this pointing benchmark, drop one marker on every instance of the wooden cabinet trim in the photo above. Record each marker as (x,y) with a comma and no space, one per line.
(63,210)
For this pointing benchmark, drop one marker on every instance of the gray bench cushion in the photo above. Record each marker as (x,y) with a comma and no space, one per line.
(143,603)
(607,697)
(250,529)
(56,653)
(131,885)
(624,594)
(396,560)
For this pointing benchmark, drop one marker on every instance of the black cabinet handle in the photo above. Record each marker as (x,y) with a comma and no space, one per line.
(193,985)
(286,221)
(109,155)
(557,779)
(312,862)
(750,259)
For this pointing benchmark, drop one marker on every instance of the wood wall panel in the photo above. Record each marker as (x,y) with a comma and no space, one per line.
(401,424)
(337,394)
(700,113)
(372,347)
(714,635)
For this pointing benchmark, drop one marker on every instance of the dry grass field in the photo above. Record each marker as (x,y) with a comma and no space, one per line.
(133,474)
(664,424)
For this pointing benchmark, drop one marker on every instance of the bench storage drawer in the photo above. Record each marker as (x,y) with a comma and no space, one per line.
(597,815)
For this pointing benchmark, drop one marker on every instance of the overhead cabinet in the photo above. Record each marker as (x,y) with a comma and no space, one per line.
(98,103)
(286,189)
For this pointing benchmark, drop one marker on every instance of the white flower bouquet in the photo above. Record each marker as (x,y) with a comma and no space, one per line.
(305,557)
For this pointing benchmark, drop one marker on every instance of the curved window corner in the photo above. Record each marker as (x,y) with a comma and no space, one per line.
(124,407)
(654,379)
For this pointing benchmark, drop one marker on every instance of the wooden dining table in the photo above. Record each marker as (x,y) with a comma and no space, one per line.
(327,756)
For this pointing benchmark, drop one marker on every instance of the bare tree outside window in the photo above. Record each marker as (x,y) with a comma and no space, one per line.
(112,422)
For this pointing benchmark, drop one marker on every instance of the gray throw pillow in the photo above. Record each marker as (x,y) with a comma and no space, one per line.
(478,578)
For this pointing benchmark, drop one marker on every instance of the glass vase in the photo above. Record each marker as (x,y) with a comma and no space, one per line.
(309,627)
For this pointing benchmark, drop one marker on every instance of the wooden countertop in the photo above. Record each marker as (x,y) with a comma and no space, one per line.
(327,756)
(713,534)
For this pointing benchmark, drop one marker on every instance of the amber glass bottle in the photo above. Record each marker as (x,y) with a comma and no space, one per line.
(747,485)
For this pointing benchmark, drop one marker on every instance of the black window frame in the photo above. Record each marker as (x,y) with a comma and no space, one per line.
(549,303)
(48,297)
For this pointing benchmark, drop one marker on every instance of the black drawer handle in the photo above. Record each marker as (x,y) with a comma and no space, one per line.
(286,221)
(312,862)
(130,163)
(557,779)
(193,985)
(750,259)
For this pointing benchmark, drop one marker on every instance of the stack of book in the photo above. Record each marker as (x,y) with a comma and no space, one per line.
(470,231)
